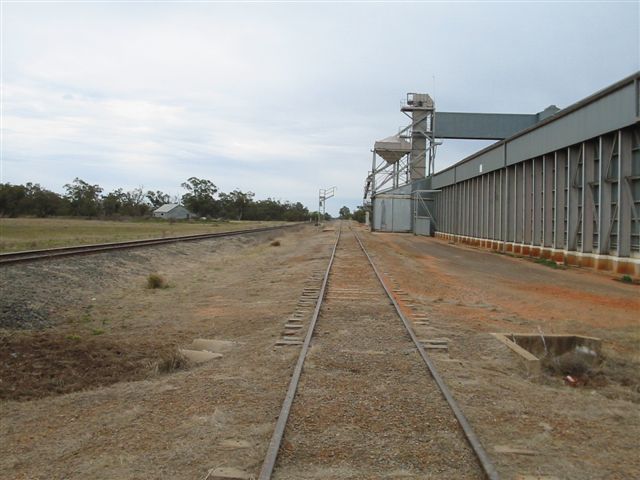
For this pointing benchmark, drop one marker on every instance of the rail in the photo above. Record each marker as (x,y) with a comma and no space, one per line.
(281,423)
(34,255)
(277,436)
(488,467)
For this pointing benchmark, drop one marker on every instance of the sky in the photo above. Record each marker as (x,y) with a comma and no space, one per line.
(280,99)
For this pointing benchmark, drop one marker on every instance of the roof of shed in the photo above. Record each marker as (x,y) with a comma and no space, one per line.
(167,207)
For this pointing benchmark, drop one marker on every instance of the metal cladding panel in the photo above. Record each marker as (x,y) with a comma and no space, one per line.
(401,215)
(442,179)
(611,112)
(379,214)
(480,126)
(392,213)
(401,190)
(422,184)
(423,227)
(487,162)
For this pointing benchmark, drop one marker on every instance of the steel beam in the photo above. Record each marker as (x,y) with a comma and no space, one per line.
(481,126)
(547,226)
(624,201)
(560,197)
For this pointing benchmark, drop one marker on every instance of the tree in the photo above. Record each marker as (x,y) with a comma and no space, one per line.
(29,199)
(235,204)
(84,198)
(112,203)
(296,212)
(43,202)
(11,197)
(200,197)
(345,213)
(134,204)
(360,214)
(157,198)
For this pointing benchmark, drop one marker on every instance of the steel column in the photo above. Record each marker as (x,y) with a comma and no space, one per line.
(588,205)
(547,204)
(560,189)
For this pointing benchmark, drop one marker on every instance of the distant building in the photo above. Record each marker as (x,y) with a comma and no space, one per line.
(172,211)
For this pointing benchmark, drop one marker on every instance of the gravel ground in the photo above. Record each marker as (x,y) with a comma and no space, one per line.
(533,426)
(138,424)
(180,425)
(366,406)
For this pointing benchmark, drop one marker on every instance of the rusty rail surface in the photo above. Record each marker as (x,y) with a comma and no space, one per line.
(34,255)
(278,434)
(486,463)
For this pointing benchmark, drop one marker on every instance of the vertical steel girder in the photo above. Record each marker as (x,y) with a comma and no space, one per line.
(583,198)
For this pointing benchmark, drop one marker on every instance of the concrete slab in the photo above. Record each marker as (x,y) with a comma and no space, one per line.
(435,346)
(199,356)
(227,473)
(365,352)
(535,477)
(286,341)
(232,444)
(516,451)
(210,345)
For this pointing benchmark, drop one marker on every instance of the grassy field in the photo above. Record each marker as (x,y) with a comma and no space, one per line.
(18,234)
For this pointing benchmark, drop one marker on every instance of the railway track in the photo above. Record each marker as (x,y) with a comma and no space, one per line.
(369,402)
(34,255)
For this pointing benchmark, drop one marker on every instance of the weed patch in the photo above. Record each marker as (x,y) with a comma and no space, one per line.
(171,362)
(155,280)
(548,263)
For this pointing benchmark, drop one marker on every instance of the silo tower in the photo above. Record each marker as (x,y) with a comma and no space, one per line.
(407,156)
(420,109)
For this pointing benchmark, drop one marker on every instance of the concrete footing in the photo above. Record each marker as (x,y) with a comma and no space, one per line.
(610,263)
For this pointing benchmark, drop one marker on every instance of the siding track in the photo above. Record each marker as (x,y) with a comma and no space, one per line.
(33,255)
(365,406)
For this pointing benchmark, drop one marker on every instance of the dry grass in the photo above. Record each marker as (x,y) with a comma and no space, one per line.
(155,280)
(171,361)
(18,234)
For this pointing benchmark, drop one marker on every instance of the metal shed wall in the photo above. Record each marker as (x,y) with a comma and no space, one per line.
(567,188)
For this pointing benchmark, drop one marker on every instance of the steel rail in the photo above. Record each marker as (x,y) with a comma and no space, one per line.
(34,255)
(278,432)
(486,463)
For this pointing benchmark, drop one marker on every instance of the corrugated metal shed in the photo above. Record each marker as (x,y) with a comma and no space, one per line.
(615,107)
(172,210)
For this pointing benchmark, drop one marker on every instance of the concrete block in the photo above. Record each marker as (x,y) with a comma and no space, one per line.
(199,356)
(227,473)
(286,341)
(232,444)
(212,345)
(435,346)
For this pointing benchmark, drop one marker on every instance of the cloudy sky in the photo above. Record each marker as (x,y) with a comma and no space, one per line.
(278,98)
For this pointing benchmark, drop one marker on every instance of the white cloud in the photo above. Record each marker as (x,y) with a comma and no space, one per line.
(281,99)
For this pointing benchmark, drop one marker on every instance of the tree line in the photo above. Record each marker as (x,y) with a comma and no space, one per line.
(359,215)
(202,198)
